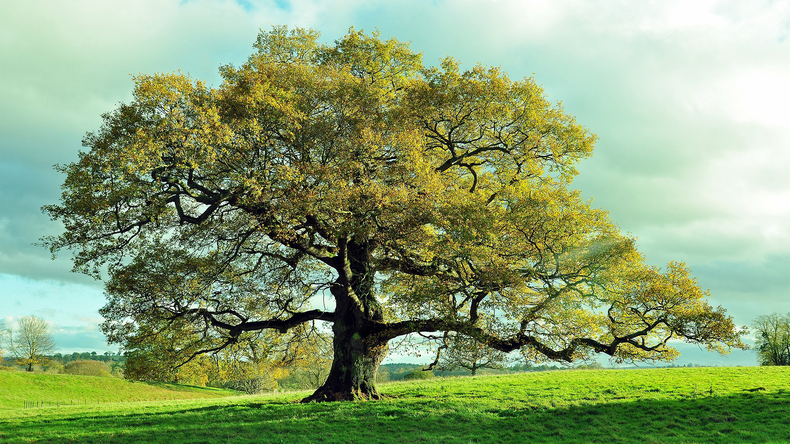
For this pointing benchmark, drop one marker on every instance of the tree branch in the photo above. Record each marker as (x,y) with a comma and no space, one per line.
(281,325)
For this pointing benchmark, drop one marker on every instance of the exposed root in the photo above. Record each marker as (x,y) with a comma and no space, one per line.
(326,395)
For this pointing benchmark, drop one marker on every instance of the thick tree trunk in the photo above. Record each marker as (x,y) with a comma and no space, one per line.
(354,368)
(357,352)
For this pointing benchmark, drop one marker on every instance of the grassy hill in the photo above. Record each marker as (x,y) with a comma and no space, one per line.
(19,388)
(604,406)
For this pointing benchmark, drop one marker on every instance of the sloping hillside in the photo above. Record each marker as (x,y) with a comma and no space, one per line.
(16,388)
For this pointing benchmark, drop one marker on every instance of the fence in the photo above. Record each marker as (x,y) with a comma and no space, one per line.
(37,404)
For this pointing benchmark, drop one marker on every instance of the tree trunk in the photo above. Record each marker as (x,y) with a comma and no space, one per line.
(357,352)
(354,368)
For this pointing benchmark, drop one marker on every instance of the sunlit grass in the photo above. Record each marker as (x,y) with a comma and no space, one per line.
(609,406)
(18,389)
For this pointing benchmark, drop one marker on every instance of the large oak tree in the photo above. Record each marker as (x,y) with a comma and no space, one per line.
(348,184)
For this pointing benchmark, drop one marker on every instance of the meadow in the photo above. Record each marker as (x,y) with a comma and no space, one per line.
(21,389)
(673,405)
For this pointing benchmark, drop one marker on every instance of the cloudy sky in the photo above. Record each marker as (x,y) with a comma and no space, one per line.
(690,100)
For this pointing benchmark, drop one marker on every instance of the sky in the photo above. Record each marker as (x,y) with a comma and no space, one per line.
(690,101)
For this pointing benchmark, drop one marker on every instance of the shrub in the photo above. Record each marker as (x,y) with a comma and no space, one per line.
(52,366)
(87,368)
(418,374)
(251,386)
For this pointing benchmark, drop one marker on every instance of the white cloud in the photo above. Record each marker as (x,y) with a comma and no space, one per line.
(752,95)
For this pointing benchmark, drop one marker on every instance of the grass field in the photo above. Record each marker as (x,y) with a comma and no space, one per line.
(20,388)
(607,406)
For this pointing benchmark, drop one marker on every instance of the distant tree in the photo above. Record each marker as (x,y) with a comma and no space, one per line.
(152,362)
(314,361)
(250,365)
(591,366)
(249,368)
(418,374)
(3,341)
(52,366)
(773,339)
(383,375)
(32,342)
(521,367)
(460,351)
(396,372)
(87,368)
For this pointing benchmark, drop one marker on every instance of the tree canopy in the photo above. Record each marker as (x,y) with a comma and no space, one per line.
(349,184)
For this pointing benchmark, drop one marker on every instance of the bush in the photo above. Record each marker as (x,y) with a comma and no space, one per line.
(418,374)
(87,368)
(251,386)
(52,366)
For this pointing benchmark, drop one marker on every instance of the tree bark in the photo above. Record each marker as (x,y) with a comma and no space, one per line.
(354,367)
(358,351)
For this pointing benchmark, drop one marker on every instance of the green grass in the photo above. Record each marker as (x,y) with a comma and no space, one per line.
(699,405)
(19,388)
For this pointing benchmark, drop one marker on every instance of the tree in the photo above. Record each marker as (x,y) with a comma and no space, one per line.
(32,342)
(4,336)
(348,184)
(87,368)
(773,339)
(460,351)
(158,355)
(249,369)
(418,374)
(311,365)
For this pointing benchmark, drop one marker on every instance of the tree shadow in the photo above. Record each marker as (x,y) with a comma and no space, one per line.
(749,417)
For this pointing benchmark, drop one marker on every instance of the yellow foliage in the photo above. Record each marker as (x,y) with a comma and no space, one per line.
(411,198)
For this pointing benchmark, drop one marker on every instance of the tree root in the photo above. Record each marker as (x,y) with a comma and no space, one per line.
(326,395)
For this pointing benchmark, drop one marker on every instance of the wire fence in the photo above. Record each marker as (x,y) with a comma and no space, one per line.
(38,404)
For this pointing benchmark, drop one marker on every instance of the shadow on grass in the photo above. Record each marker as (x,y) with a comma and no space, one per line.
(749,417)
(188,388)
